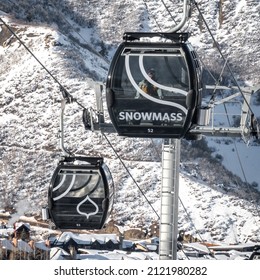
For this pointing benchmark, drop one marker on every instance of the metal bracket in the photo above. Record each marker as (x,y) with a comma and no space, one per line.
(245,129)
(173,36)
(205,115)
(61,131)
(185,16)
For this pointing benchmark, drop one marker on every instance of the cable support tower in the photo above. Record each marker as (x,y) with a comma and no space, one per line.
(152,140)
(186,211)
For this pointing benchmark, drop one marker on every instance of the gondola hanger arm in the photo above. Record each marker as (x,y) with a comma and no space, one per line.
(185,15)
(62,146)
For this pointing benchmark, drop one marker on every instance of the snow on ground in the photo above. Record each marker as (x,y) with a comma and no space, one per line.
(30,98)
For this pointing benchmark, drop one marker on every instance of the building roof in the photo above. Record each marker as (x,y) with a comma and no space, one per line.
(6,244)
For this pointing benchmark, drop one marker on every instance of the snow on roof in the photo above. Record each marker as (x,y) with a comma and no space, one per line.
(6,231)
(127,244)
(238,247)
(115,255)
(57,253)
(87,238)
(41,245)
(23,246)
(19,224)
(198,247)
(6,244)
(152,247)
(92,257)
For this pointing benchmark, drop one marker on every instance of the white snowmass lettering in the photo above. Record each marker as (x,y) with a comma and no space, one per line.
(150,116)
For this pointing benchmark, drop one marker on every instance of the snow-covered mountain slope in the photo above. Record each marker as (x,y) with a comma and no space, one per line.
(74,40)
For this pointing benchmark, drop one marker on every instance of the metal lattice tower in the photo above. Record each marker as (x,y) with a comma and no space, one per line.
(169,199)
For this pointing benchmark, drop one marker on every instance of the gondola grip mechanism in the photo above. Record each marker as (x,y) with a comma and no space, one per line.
(65,151)
(186,12)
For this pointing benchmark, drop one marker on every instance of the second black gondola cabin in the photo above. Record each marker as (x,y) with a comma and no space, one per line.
(81,195)
(153,88)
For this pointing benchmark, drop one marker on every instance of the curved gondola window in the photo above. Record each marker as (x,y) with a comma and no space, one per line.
(78,184)
(109,179)
(110,183)
(161,73)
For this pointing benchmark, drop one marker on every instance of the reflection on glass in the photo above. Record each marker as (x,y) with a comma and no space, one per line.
(78,184)
(163,76)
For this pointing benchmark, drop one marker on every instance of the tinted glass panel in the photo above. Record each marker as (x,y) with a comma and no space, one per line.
(161,74)
(78,183)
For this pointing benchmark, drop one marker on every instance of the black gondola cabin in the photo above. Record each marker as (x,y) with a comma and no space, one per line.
(81,195)
(153,88)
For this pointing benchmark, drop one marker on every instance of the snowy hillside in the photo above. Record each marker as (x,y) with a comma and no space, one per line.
(74,40)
